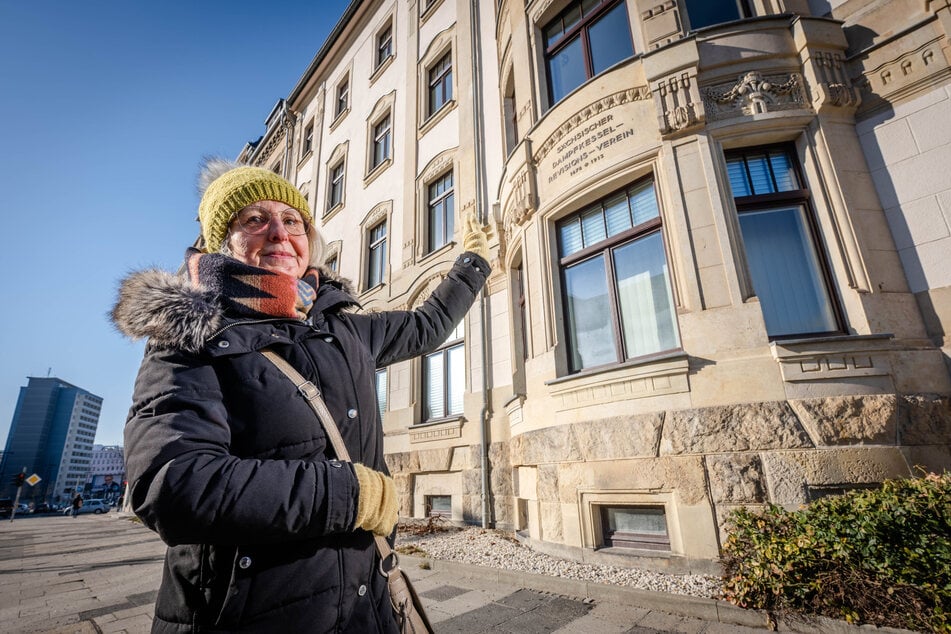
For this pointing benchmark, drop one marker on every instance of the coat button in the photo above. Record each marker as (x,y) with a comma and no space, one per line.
(467,260)
(351,413)
(244,563)
(328,339)
(336,464)
(223,344)
(362,590)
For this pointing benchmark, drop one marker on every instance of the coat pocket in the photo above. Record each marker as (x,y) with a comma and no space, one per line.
(236,592)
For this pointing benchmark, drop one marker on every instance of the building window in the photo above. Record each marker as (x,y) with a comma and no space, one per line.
(335,195)
(438,505)
(586,38)
(343,97)
(308,143)
(634,527)
(440,84)
(333,263)
(441,212)
(444,375)
(384,45)
(382,135)
(381,391)
(617,290)
(787,270)
(703,13)
(376,260)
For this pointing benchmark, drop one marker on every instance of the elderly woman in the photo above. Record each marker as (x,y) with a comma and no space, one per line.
(267,530)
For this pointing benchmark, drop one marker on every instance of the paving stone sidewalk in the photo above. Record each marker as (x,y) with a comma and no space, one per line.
(98,574)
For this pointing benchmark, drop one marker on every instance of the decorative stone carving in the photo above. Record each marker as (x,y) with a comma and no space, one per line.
(263,155)
(833,87)
(746,427)
(443,431)
(677,98)
(637,93)
(661,24)
(904,75)
(754,93)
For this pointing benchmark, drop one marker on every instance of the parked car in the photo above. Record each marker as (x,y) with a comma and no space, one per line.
(89,506)
(6,506)
(43,507)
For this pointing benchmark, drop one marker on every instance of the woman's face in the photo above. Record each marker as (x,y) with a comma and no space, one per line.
(261,235)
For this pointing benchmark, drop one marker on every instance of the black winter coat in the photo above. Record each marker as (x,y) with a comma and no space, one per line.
(228,464)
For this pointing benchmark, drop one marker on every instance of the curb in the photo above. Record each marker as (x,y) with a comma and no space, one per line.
(710,610)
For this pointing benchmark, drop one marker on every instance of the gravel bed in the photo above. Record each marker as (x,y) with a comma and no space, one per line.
(497,549)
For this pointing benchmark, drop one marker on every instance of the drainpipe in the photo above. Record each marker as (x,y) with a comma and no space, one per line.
(288,118)
(479,146)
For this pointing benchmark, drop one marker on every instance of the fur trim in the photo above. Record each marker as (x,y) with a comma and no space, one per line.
(327,275)
(212,167)
(166,308)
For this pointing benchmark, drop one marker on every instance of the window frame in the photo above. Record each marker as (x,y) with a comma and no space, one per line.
(442,79)
(800,197)
(377,137)
(372,245)
(307,140)
(444,350)
(384,49)
(336,185)
(606,248)
(439,201)
(743,7)
(633,540)
(581,30)
(342,97)
(382,400)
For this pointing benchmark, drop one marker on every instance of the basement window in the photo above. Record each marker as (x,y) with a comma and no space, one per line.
(634,527)
(438,505)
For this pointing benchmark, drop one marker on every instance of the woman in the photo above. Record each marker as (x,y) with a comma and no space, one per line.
(267,531)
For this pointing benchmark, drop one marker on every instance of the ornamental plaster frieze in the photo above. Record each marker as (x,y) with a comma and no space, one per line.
(637,93)
(754,93)
(904,76)
(262,156)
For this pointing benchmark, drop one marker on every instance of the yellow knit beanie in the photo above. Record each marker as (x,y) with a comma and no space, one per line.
(236,189)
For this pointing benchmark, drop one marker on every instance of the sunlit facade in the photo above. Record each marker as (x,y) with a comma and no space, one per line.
(718,253)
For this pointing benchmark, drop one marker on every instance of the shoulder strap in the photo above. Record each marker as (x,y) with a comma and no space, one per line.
(312,395)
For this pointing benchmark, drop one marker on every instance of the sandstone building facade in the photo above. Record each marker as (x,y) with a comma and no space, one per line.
(719,246)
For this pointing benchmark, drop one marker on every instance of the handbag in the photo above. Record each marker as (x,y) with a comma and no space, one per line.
(407,608)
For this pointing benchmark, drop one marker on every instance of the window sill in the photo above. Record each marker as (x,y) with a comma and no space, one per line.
(833,357)
(436,117)
(333,211)
(434,254)
(368,293)
(306,155)
(442,429)
(338,118)
(376,170)
(429,10)
(379,70)
(657,376)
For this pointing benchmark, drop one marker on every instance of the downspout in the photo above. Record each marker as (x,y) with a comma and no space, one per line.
(479,146)
(288,119)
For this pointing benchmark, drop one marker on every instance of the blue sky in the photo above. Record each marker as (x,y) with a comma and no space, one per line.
(107,108)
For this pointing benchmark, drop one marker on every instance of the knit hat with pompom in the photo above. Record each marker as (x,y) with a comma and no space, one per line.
(228,188)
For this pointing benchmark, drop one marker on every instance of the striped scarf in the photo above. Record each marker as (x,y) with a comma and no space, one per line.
(251,291)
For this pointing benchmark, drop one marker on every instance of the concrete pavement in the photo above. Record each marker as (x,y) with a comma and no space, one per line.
(100,573)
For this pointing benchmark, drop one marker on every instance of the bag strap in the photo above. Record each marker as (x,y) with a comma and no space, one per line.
(312,395)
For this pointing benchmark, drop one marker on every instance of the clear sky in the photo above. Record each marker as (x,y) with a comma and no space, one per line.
(106,108)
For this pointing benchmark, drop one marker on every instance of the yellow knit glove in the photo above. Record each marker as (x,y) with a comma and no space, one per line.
(476,238)
(376,506)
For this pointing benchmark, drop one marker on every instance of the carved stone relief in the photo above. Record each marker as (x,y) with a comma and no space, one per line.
(754,93)
(677,98)
(833,86)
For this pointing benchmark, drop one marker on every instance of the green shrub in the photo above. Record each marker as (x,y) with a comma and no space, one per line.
(879,556)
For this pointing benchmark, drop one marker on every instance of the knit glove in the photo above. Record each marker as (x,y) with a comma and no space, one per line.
(376,506)
(476,238)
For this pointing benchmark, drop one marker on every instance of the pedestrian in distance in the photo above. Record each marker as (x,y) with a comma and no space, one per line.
(77,504)
(267,530)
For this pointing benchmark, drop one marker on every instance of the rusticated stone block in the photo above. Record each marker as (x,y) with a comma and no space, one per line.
(472,481)
(552,529)
(736,478)
(504,509)
(403,482)
(501,472)
(552,444)
(472,509)
(435,459)
(547,483)
(849,420)
(744,427)
(619,436)
(403,462)
(924,419)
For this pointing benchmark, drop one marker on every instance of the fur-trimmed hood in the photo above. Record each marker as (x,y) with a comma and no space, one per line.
(173,312)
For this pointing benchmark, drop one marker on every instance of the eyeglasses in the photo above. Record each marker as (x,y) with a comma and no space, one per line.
(254,221)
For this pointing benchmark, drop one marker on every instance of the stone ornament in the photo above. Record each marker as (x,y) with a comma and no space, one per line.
(754,93)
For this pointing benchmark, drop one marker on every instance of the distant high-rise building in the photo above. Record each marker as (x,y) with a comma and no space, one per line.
(54,425)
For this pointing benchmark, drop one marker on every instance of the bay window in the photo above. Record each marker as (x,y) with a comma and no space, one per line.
(788,272)
(617,290)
